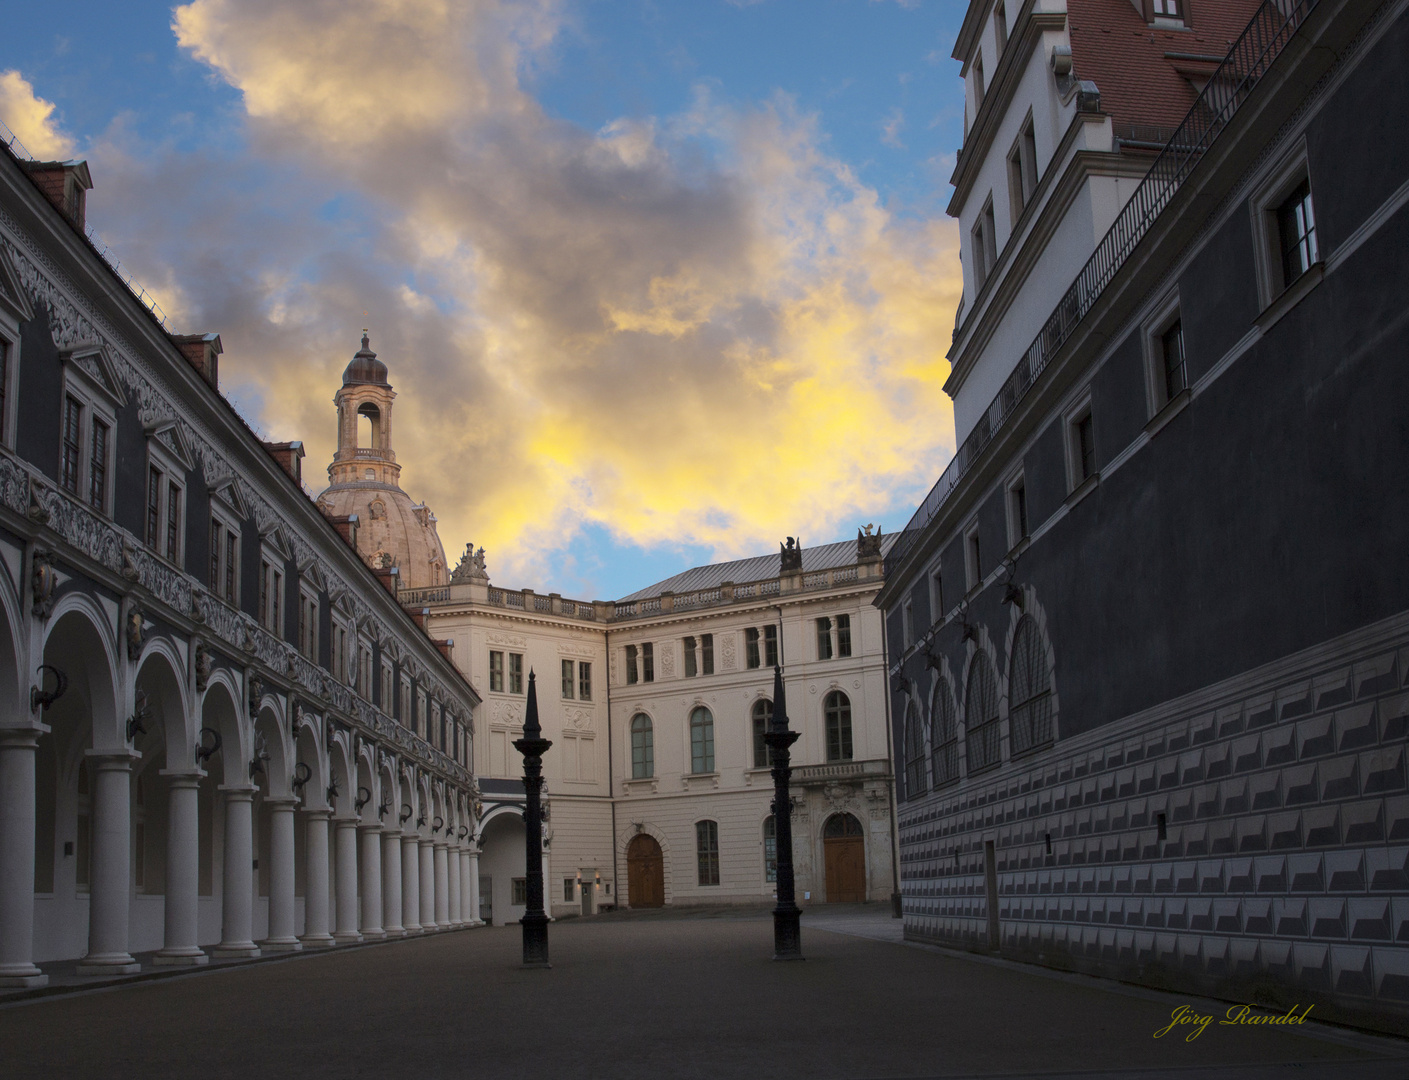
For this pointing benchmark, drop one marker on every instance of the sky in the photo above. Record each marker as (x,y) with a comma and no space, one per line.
(658,283)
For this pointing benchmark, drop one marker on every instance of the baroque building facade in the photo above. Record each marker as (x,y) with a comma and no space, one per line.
(221,733)
(658,789)
(1147,639)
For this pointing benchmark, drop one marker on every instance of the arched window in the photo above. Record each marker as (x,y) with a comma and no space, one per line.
(981,715)
(770,849)
(643,748)
(1030,690)
(701,741)
(914,754)
(707,851)
(762,717)
(944,737)
(837,709)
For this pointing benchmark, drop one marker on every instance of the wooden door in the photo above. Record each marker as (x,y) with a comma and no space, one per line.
(844,848)
(645,872)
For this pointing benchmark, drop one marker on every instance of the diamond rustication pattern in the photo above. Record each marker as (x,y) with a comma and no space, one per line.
(1284,857)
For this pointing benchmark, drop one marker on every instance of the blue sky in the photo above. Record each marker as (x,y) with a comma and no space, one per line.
(658,282)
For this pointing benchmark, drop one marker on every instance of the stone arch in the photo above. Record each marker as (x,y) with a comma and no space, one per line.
(161,705)
(342,772)
(1032,610)
(81,632)
(942,731)
(983,692)
(368,779)
(12,663)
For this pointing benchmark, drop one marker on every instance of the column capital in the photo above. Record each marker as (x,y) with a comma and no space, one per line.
(374,827)
(347,819)
(23,735)
(113,760)
(183,778)
(318,812)
(237,792)
(279,802)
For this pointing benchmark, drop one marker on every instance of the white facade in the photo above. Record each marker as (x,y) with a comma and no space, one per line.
(600,793)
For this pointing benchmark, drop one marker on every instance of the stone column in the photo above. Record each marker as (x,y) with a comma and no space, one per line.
(372,883)
(472,859)
(346,933)
(281,876)
(391,884)
(315,902)
(467,916)
(17,826)
(452,876)
(183,854)
(111,885)
(411,883)
(237,893)
(441,868)
(428,887)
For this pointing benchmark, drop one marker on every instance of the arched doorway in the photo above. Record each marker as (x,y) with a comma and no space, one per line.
(645,872)
(502,877)
(845,849)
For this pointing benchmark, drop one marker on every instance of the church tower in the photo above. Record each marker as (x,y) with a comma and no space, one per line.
(365,479)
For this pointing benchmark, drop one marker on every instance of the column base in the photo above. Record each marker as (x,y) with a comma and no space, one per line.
(22,977)
(109,964)
(236,950)
(282,945)
(374,935)
(476,922)
(191,957)
(396,931)
(317,941)
(414,931)
(347,937)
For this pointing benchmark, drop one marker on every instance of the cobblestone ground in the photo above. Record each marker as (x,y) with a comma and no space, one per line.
(668,996)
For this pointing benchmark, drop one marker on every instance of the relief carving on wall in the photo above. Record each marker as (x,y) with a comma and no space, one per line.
(14,485)
(726,651)
(581,719)
(505,714)
(665,654)
(495,637)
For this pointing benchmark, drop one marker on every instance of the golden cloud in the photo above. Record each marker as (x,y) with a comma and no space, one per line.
(697,329)
(30,118)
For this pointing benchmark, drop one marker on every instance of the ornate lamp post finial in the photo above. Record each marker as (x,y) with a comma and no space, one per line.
(787,929)
(533,746)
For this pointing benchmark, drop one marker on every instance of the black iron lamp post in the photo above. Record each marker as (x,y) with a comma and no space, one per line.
(787,929)
(533,746)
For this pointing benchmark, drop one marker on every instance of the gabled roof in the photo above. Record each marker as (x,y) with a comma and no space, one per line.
(757,568)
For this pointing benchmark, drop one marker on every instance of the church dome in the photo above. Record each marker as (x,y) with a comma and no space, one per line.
(391,531)
(365,368)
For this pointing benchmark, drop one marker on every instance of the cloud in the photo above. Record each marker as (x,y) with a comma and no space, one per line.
(30,118)
(691,329)
(891,127)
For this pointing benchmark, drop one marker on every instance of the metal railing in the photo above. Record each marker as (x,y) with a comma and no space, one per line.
(1249,59)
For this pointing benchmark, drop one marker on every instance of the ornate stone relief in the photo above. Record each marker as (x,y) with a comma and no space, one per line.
(665,656)
(505,714)
(495,637)
(581,719)
(726,651)
(14,485)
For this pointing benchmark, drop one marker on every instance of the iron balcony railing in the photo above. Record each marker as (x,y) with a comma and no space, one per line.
(1249,59)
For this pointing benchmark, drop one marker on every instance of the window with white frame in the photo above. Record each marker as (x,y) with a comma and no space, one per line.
(224,556)
(752,655)
(691,663)
(8,352)
(86,425)
(643,750)
(909,621)
(824,638)
(515,673)
(937,594)
(648,662)
(1000,26)
(1017,510)
(388,688)
(1022,168)
(364,669)
(760,717)
(843,635)
(584,680)
(496,671)
(407,718)
(701,740)
(707,851)
(166,494)
(979,87)
(1081,445)
(973,557)
(308,622)
(569,682)
(984,241)
(1284,227)
(707,654)
(339,660)
(632,674)
(1166,374)
(271,590)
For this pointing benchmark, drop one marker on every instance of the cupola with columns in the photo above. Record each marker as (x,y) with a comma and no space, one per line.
(365,392)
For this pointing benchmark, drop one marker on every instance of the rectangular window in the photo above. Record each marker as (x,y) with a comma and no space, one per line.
(978,81)
(751,654)
(909,623)
(707,851)
(770,646)
(388,685)
(519,890)
(973,558)
(153,506)
(73,443)
(1022,169)
(760,728)
(308,626)
(630,664)
(1296,229)
(173,522)
(1000,27)
(1017,512)
(515,673)
(584,680)
(496,672)
(1085,448)
(567,679)
(770,849)
(97,466)
(264,594)
(407,718)
(648,663)
(937,595)
(1168,9)
(568,893)
(707,654)
(216,547)
(843,635)
(824,638)
(1172,353)
(690,668)
(232,562)
(4,384)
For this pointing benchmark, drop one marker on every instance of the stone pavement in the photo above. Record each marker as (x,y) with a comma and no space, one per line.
(679,994)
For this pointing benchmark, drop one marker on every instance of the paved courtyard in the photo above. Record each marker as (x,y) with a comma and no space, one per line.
(681,995)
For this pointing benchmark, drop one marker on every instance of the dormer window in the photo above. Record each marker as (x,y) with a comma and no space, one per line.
(1168,9)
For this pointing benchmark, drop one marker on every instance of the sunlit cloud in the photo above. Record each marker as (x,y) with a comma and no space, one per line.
(31,118)
(695,329)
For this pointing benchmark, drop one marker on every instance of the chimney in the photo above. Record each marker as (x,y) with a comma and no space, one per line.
(346,525)
(64,183)
(446,647)
(390,577)
(202,350)
(419,615)
(288,455)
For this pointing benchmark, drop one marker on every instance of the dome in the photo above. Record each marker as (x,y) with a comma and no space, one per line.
(365,368)
(391,531)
